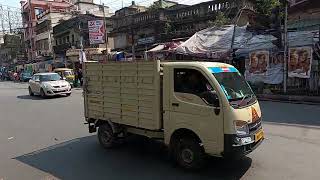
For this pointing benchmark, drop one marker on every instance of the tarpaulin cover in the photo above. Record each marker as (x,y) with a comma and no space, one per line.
(210,40)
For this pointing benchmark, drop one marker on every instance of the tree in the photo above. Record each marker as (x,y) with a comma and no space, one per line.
(220,20)
(154,6)
(265,7)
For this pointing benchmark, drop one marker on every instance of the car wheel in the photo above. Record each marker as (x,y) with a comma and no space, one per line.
(30,91)
(189,154)
(42,94)
(68,94)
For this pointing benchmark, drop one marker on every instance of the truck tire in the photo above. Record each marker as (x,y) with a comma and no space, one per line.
(188,153)
(106,137)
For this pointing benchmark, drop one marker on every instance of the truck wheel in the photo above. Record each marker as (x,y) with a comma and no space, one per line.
(106,137)
(189,154)
(30,91)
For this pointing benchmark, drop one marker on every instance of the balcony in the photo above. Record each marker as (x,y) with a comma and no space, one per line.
(62,48)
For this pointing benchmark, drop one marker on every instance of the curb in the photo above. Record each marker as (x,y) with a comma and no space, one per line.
(310,100)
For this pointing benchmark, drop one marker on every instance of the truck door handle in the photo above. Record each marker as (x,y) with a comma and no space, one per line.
(175,104)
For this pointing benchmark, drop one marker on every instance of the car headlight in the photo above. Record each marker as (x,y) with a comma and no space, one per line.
(241,127)
(47,86)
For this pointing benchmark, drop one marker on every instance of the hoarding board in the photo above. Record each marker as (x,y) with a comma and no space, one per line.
(96,32)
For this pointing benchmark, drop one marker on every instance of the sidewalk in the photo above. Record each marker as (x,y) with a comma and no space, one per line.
(290,98)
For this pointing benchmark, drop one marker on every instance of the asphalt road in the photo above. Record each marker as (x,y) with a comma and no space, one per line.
(46,139)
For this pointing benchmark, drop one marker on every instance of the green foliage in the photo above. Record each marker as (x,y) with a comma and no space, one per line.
(167,27)
(264,7)
(154,6)
(220,20)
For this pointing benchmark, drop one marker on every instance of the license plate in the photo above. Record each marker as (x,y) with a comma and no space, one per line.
(258,136)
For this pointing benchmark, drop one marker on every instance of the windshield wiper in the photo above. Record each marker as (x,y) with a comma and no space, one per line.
(245,97)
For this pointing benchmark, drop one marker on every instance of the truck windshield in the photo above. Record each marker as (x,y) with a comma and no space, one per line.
(233,84)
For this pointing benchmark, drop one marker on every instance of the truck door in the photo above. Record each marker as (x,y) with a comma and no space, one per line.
(190,108)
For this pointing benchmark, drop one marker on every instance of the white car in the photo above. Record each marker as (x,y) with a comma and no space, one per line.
(48,84)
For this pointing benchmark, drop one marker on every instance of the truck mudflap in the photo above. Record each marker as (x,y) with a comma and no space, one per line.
(236,146)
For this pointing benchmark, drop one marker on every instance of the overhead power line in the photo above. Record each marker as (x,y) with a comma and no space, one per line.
(10,19)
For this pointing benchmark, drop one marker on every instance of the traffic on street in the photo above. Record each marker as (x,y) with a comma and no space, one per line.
(47,139)
(159,89)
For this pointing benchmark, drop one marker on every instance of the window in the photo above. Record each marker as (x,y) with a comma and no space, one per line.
(36,78)
(190,81)
(72,38)
(68,39)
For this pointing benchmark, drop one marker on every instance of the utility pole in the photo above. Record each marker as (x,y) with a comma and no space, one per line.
(2,20)
(285,53)
(9,21)
(30,29)
(105,31)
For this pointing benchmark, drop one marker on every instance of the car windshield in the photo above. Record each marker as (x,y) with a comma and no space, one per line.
(68,73)
(232,83)
(50,77)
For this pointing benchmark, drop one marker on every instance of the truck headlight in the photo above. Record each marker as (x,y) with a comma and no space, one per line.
(241,127)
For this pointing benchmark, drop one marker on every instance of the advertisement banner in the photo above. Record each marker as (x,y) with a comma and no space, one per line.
(270,72)
(258,62)
(299,63)
(96,32)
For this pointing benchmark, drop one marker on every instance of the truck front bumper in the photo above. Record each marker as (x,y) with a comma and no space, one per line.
(235,146)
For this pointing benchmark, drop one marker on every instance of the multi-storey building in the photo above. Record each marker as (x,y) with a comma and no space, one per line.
(304,15)
(173,21)
(44,39)
(30,11)
(73,33)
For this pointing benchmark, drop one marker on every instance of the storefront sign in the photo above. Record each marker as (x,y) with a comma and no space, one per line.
(299,63)
(147,40)
(96,32)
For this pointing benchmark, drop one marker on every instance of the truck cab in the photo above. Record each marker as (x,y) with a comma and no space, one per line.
(213,102)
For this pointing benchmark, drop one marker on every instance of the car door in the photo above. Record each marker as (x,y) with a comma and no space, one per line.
(36,86)
(189,110)
(32,83)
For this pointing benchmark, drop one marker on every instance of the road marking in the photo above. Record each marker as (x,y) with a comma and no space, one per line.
(10,138)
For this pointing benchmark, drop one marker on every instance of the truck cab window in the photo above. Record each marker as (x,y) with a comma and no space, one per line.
(191,81)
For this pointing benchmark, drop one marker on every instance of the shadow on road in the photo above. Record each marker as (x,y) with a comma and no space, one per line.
(27,97)
(84,159)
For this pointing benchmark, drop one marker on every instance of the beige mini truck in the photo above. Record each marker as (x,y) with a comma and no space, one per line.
(195,108)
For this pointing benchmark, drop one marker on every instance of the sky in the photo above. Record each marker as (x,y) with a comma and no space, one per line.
(113,4)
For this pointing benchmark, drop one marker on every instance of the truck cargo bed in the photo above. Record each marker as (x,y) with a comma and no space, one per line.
(124,92)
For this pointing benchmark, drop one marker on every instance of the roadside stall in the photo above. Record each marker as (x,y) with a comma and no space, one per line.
(163,51)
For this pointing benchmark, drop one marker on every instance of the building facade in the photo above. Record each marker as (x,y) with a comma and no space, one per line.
(138,31)
(74,33)
(12,50)
(30,11)
(304,15)
(44,31)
